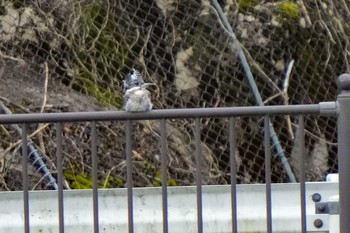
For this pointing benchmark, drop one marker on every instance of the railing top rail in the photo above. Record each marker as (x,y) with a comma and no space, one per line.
(324,108)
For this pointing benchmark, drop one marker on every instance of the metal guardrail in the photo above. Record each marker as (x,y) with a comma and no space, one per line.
(341,108)
(182,217)
(324,109)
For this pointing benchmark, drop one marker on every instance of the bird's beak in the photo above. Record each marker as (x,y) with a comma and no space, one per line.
(145,85)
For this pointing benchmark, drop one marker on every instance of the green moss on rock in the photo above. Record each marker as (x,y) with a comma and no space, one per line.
(101,52)
(245,5)
(289,10)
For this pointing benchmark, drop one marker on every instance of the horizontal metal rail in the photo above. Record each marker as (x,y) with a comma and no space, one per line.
(323,109)
(339,108)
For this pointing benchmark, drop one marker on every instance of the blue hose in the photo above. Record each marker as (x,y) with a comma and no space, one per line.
(275,141)
(33,155)
(40,166)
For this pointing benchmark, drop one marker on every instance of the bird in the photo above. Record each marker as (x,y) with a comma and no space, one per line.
(136,96)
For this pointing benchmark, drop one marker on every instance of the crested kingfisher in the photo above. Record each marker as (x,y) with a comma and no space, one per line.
(136,97)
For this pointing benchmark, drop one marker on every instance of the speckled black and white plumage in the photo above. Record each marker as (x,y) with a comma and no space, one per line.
(136,97)
(133,79)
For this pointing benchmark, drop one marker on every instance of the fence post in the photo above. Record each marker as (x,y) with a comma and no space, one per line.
(344,150)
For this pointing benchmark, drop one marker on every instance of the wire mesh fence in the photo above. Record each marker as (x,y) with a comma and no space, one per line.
(294,49)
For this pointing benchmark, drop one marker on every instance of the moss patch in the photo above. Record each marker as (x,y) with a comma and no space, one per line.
(101,52)
(245,5)
(84,180)
(289,10)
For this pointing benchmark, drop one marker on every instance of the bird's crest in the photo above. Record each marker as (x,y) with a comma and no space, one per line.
(133,79)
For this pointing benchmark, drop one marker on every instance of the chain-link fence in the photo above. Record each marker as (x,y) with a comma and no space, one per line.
(295,50)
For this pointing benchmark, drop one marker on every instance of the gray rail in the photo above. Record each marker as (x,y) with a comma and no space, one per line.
(340,109)
(323,109)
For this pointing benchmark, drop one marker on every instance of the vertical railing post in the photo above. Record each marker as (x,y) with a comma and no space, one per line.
(233,173)
(164,167)
(344,150)
(198,158)
(59,156)
(94,177)
(267,147)
(129,181)
(25,178)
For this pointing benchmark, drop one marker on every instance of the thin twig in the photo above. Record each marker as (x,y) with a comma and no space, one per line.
(19,60)
(107,177)
(24,109)
(285,93)
(37,183)
(316,137)
(2,69)
(100,29)
(40,136)
(109,129)
(331,38)
(5,185)
(346,7)
(142,59)
(273,97)
(306,14)
(287,76)
(4,129)
(261,71)
(20,141)
(45,88)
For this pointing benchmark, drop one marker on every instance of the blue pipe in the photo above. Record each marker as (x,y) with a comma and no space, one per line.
(40,166)
(275,141)
(33,155)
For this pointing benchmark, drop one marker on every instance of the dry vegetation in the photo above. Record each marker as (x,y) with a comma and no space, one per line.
(72,56)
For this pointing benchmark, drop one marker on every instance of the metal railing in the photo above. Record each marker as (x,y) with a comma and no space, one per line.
(340,108)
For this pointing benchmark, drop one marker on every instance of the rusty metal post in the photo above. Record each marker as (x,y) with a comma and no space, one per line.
(344,150)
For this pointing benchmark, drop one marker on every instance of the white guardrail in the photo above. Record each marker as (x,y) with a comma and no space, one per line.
(251,207)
